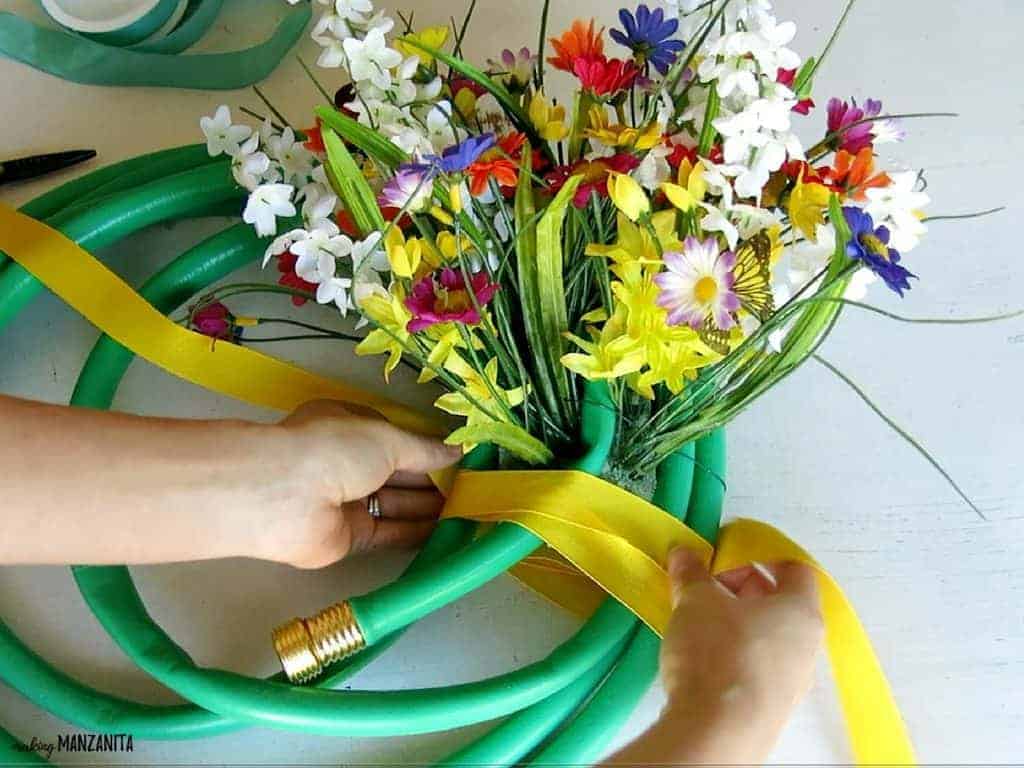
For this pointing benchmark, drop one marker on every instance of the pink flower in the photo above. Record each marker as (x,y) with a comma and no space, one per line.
(216,321)
(851,124)
(444,298)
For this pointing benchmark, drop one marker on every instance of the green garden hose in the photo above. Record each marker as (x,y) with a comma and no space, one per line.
(571,681)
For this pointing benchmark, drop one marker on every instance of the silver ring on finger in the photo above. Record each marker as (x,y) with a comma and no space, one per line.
(373,506)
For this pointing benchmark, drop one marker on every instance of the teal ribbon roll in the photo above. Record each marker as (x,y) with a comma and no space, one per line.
(82,60)
(135,31)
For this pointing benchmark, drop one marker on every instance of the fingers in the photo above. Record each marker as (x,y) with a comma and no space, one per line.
(408,504)
(685,567)
(797,579)
(409,480)
(393,534)
(417,454)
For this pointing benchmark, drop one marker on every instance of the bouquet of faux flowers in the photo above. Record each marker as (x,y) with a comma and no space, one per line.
(663,229)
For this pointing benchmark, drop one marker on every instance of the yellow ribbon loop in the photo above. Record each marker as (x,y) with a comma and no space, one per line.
(620,542)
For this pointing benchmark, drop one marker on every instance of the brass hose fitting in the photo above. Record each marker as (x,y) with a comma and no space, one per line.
(307,646)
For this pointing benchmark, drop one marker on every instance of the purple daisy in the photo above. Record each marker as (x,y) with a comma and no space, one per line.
(409,188)
(698,285)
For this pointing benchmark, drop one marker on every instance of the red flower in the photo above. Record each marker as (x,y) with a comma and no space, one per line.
(314,138)
(605,77)
(216,321)
(458,84)
(681,152)
(286,266)
(787,77)
(580,41)
(595,176)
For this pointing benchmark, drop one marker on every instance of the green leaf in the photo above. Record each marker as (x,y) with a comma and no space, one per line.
(551,285)
(843,234)
(526,264)
(505,99)
(804,80)
(513,439)
(367,139)
(347,179)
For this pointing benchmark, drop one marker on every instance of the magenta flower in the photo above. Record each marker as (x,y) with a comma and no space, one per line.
(846,121)
(216,321)
(444,298)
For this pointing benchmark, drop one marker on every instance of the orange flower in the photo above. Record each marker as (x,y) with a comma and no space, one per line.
(580,41)
(855,174)
(501,169)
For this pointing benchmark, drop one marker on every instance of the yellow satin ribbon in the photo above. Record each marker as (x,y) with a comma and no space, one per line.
(618,540)
(621,543)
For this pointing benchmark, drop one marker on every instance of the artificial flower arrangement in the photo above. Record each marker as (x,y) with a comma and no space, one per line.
(664,230)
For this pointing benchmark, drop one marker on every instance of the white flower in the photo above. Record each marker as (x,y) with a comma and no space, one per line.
(768,46)
(807,259)
(371,59)
(898,207)
(283,244)
(860,281)
(221,136)
(654,168)
(751,13)
(734,73)
(296,161)
(751,219)
(250,166)
(715,220)
(319,206)
(334,289)
(441,131)
(767,160)
(353,10)
(318,254)
(265,204)
(368,255)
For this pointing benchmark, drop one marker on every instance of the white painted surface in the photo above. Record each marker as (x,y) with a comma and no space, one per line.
(939,590)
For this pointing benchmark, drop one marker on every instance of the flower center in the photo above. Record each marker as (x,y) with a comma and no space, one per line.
(705,290)
(451,302)
(875,245)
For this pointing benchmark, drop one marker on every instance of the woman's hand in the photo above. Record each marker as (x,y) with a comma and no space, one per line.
(84,486)
(737,657)
(337,460)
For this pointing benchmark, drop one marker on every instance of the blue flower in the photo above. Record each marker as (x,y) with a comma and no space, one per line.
(870,246)
(647,35)
(459,157)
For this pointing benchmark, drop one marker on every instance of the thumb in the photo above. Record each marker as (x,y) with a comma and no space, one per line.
(685,567)
(414,453)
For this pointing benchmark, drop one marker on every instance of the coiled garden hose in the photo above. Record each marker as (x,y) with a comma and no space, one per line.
(584,690)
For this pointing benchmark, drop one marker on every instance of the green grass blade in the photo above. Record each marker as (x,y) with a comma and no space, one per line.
(367,139)
(900,431)
(526,266)
(347,180)
(554,318)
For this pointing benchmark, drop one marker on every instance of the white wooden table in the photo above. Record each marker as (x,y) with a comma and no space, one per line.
(939,590)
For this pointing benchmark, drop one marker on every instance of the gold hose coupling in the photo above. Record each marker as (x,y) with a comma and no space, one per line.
(307,646)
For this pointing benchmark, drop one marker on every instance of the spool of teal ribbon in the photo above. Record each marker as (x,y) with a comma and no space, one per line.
(113,22)
(92,54)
